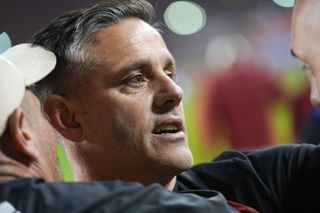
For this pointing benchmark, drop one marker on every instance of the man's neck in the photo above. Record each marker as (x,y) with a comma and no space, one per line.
(11,168)
(171,184)
(11,171)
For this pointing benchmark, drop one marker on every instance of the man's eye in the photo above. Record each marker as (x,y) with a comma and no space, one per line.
(172,75)
(137,79)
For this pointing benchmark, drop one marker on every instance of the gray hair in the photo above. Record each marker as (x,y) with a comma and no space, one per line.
(68,37)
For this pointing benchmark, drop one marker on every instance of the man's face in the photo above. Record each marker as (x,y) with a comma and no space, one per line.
(43,136)
(305,40)
(130,107)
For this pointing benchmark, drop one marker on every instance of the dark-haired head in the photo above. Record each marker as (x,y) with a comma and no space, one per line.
(70,35)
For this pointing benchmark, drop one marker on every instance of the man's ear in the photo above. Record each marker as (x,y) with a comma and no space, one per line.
(61,117)
(22,139)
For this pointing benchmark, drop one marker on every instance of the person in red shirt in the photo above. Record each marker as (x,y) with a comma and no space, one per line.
(239,104)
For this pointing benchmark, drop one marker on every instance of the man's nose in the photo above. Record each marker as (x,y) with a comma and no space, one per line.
(168,95)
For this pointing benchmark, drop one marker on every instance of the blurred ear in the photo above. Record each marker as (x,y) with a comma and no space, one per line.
(22,138)
(61,117)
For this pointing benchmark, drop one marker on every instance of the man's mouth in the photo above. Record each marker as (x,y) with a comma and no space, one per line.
(168,126)
(167,129)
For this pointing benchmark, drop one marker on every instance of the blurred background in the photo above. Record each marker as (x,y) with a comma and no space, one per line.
(243,89)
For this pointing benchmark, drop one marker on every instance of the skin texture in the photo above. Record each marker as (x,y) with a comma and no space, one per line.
(27,147)
(305,42)
(114,115)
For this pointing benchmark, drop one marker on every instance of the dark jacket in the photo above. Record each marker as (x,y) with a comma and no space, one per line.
(34,195)
(279,179)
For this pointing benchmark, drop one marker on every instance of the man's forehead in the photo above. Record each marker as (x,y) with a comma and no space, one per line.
(305,19)
(127,42)
(307,11)
(127,31)
(306,29)
(299,3)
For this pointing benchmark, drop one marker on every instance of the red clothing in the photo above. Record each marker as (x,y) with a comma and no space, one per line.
(239,100)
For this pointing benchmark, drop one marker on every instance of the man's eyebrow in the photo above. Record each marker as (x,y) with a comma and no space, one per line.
(143,64)
(170,62)
(136,65)
(293,53)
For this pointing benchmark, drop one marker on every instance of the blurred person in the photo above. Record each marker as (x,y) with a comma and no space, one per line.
(240,100)
(28,156)
(113,95)
(296,88)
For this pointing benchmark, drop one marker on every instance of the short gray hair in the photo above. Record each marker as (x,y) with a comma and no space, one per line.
(68,37)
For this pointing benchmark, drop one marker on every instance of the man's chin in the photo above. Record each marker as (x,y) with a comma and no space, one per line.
(184,161)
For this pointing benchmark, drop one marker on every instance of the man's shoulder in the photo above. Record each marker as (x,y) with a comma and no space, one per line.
(19,185)
(286,149)
(231,161)
(250,176)
(36,195)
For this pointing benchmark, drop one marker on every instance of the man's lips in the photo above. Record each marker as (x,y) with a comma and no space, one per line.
(169,125)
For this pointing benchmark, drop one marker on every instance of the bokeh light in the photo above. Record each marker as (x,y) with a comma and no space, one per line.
(5,42)
(224,50)
(185,17)
(284,3)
